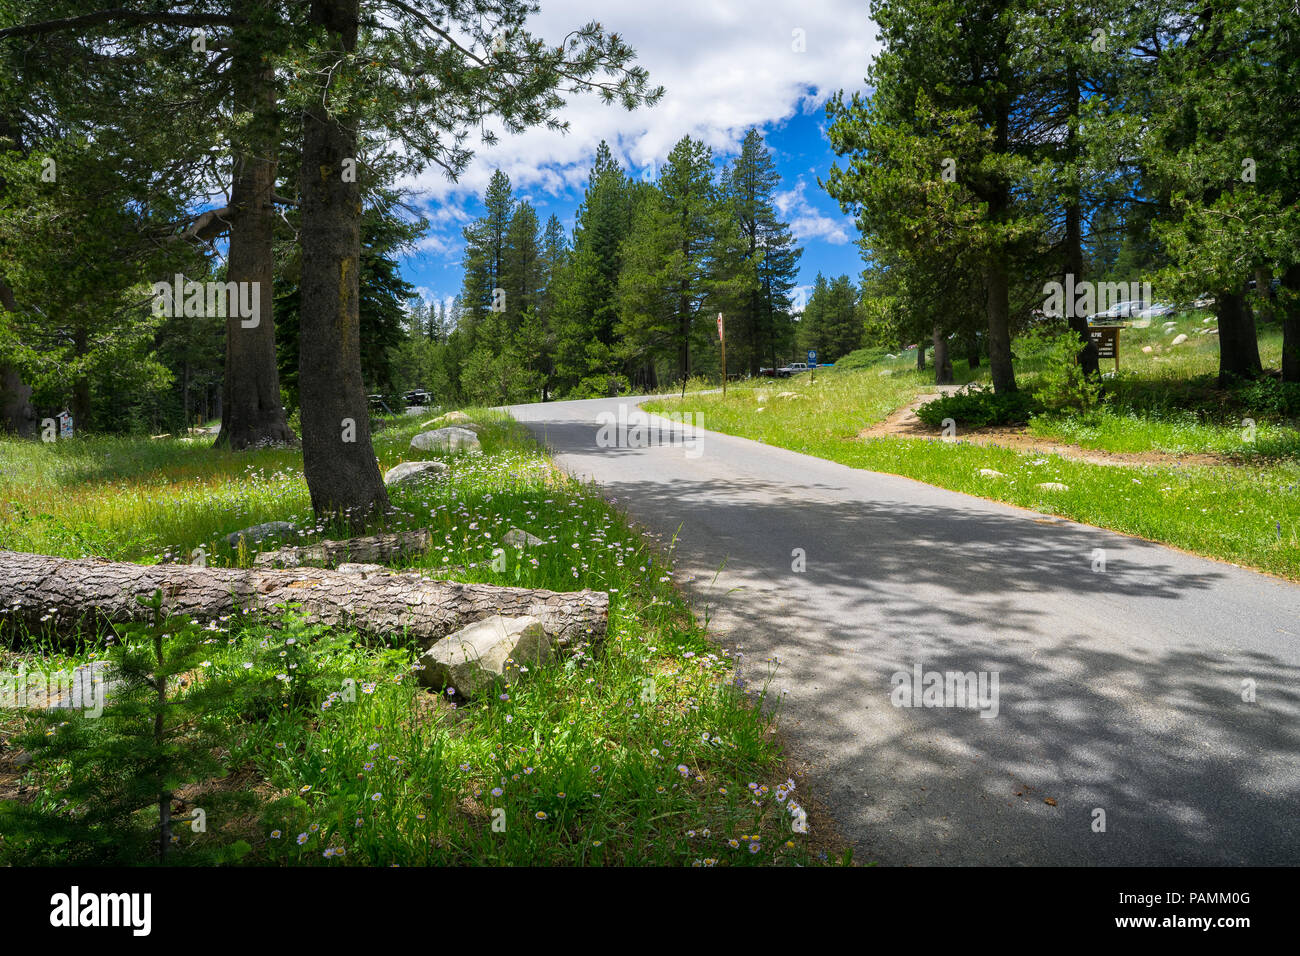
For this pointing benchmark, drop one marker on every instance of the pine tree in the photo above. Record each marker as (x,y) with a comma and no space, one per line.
(762,318)
(587,312)
(662,284)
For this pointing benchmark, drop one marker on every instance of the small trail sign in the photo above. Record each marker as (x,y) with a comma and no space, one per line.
(1106,338)
(722,340)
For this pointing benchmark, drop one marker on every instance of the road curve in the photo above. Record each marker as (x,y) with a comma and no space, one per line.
(1119,690)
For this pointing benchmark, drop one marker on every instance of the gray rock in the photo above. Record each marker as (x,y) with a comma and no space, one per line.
(1052,486)
(486,653)
(447,439)
(1179,339)
(517,538)
(415,471)
(990,473)
(262,532)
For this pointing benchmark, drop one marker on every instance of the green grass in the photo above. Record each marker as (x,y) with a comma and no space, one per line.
(1167,400)
(1175,432)
(640,751)
(1247,514)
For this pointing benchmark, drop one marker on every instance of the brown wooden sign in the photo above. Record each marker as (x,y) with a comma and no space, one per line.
(1106,338)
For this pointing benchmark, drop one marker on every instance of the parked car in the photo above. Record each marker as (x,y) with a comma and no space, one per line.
(1120,310)
(1155,311)
(418,396)
(794,368)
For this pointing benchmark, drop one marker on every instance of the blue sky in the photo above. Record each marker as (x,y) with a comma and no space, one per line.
(726,66)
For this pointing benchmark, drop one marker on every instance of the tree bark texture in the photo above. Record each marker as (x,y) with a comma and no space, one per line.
(70,592)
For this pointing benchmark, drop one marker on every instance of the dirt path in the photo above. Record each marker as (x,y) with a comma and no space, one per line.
(904,423)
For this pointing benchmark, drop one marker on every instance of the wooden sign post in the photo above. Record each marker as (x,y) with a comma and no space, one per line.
(722,340)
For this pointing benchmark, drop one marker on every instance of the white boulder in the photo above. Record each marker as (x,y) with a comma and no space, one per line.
(415,471)
(478,657)
(454,438)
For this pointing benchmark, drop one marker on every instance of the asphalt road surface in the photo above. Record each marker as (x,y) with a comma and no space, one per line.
(1119,690)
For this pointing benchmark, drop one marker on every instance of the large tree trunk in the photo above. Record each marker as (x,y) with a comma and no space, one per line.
(74,592)
(942,361)
(1291,326)
(1088,358)
(338,458)
(1000,367)
(80,404)
(16,412)
(1238,343)
(253,413)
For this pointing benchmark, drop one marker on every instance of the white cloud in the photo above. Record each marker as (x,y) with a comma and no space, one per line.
(726,65)
(805,221)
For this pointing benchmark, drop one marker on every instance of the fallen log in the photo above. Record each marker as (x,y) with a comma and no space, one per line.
(63,595)
(374,549)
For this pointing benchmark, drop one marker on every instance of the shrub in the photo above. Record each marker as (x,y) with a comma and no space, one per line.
(601,386)
(1061,384)
(976,408)
(1271,396)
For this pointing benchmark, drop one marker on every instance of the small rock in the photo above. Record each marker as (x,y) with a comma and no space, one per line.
(478,656)
(990,473)
(1052,486)
(1147,350)
(1179,339)
(414,471)
(453,418)
(517,538)
(1211,331)
(447,439)
(262,532)
(787,395)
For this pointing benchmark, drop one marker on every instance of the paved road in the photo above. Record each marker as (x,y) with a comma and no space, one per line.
(1119,690)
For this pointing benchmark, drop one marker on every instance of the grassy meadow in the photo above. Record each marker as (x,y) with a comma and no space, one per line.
(648,749)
